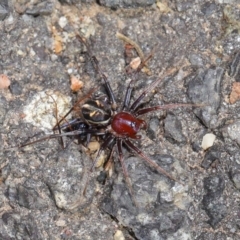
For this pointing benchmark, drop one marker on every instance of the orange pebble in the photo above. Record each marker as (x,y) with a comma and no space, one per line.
(4,81)
(235,94)
(76,84)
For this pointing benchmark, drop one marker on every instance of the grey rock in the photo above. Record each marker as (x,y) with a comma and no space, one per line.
(153,126)
(205,89)
(163,159)
(197,143)
(72,2)
(231,45)
(24,227)
(147,187)
(126,3)
(40,8)
(232,131)
(235,177)
(3,9)
(196,60)
(3,105)
(211,155)
(183,6)
(208,8)
(173,129)
(30,199)
(214,209)
(213,202)
(214,185)
(226,1)
(15,88)
(68,186)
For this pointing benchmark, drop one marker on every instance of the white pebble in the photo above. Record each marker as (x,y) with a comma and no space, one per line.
(119,235)
(62,22)
(208,140)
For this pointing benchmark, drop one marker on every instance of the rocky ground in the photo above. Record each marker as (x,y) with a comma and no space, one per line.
(197,43)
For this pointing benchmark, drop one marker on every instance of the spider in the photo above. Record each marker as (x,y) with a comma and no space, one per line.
(116,126)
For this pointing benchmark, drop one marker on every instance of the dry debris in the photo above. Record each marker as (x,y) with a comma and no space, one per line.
(235,94)
(4,81)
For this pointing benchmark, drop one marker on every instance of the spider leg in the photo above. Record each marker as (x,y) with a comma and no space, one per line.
(125,172)
(100,72)
(107,142)
(163,107)
(72,125)
(131,146)
(77,124)
(108,163)
(36,141)
(137,102)
(132,82)
(58,126)
(95,132)
(89,136)
(74,106)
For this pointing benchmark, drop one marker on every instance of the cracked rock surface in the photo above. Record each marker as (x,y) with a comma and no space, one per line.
(42,184)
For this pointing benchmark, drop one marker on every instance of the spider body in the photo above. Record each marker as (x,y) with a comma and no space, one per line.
(96,112)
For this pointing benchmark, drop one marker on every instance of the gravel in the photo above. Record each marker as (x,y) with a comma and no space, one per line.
(42,184)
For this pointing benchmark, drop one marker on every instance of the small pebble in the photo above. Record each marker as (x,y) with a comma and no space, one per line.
(93,146)
(119,235)
(62,22)
(76,84)
(134,64)
(208,140)
(4,81)
(235,94)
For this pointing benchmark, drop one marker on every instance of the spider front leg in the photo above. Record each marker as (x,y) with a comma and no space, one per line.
(130,86)
(74,133)
(138,101)
(100,72)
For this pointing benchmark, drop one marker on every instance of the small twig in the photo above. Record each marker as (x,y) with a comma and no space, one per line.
(137,48)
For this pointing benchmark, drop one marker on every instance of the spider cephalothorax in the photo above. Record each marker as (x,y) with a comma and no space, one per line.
(126,125)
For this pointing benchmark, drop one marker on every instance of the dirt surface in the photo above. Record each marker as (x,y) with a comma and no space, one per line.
(197,43)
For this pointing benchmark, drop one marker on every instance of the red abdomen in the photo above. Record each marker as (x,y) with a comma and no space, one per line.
(125,124)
